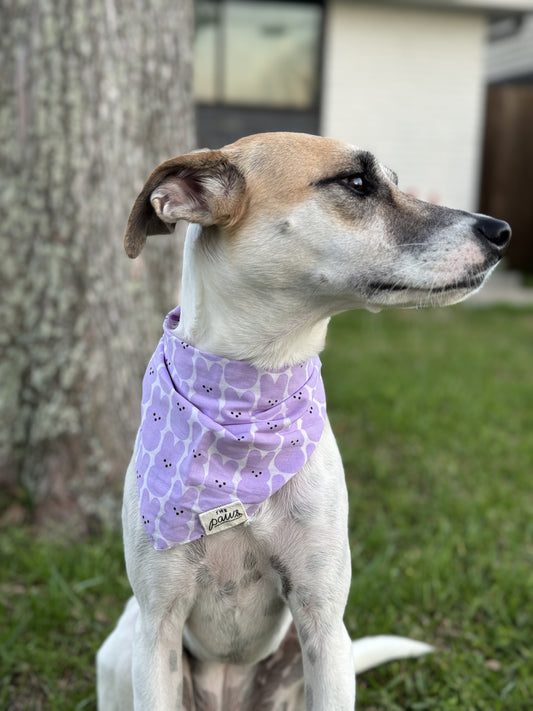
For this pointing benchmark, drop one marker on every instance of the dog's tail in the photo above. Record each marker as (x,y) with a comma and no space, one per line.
(369,652)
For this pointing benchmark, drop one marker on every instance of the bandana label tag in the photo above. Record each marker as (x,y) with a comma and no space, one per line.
(223,517)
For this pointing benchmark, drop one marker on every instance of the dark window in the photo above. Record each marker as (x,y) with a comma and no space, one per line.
(257,67)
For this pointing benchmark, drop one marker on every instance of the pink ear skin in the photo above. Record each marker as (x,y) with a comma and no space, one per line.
(203,187)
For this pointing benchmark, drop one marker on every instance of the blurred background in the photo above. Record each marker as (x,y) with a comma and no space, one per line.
(440,91)
(93,96)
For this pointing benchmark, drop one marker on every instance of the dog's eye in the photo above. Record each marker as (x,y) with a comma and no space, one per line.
(356,183)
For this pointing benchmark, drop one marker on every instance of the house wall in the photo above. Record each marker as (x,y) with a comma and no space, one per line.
(407,84)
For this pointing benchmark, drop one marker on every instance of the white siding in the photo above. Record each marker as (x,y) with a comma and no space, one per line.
(408,85)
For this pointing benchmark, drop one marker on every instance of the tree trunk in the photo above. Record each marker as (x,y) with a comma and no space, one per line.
(93,96)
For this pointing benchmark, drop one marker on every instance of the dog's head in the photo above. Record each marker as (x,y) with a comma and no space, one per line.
(306,213)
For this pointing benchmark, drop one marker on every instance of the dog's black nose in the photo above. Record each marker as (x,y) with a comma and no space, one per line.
(497,232)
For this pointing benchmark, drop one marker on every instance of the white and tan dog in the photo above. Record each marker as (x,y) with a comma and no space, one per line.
(287,230)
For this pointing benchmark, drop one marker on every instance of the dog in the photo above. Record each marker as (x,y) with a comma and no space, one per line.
(241,606)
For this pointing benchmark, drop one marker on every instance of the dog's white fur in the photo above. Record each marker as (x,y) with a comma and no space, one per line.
(287,231)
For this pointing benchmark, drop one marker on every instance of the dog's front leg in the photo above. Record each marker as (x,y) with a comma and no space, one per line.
(314,565)
(158,664)
(317,604)
(164,588)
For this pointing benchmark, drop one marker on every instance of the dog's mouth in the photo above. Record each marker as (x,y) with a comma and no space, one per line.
(470,283)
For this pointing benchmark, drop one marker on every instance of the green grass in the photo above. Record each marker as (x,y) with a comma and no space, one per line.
(434,416)
(57,604)
(433,411)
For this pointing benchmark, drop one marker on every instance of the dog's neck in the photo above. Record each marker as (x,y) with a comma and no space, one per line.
(217,318)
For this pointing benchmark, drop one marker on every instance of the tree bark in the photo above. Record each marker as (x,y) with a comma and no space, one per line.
(93,96)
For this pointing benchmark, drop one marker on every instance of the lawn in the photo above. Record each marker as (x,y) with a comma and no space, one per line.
(433,411)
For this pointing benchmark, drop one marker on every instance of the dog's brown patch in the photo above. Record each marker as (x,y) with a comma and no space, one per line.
(257,175)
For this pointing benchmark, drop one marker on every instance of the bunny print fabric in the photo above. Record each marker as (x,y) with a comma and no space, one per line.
(218,437)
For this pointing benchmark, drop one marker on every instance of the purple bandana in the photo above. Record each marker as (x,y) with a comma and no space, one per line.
(218,437)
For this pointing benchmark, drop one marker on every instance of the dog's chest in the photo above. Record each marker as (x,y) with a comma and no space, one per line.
(239,602)
(232,564)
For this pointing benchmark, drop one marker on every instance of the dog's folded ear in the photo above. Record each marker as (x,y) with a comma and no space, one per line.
(203,187)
